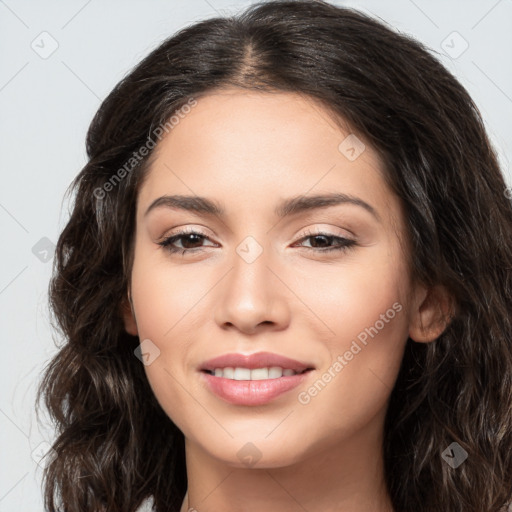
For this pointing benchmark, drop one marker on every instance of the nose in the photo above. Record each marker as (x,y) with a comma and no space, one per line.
(252,297)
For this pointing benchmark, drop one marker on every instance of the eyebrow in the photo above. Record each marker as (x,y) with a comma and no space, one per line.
(288,207)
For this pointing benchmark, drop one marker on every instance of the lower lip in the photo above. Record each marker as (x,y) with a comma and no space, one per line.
(252,392)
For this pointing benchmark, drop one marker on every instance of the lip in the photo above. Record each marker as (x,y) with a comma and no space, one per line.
(251,361)
(252,392)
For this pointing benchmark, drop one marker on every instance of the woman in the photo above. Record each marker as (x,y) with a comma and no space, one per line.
(286,280)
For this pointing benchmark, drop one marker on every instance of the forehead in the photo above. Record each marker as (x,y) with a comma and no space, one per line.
(249,149)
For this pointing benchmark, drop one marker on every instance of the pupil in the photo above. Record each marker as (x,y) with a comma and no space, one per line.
(188,240)
(325,238)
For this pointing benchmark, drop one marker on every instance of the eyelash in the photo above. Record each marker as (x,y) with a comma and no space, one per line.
(344,243)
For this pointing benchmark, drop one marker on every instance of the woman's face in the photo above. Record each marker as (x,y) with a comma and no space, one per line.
(258,280)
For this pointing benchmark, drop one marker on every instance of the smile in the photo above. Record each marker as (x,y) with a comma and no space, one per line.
(239,373)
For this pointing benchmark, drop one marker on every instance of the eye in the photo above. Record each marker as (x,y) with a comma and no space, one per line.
(187,237)
(325,239)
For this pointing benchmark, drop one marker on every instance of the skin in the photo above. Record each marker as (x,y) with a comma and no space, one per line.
(248,151)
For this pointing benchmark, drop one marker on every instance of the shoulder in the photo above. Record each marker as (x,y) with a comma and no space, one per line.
(146,505)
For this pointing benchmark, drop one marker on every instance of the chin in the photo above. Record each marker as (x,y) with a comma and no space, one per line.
(256,453)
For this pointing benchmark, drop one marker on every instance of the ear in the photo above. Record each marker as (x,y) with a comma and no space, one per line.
(130,323)
(432,310)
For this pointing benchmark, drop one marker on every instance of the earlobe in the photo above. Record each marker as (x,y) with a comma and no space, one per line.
(130,324)
(431,314)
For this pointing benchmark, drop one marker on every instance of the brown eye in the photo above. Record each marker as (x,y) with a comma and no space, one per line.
(322,241)
(189,241)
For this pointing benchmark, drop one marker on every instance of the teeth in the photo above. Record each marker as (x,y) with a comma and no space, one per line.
(259,374)
(229,373)
(274,372)
(242,374)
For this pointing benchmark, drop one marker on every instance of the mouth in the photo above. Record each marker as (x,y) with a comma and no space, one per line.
(254,379)
(251,374)
(257,366)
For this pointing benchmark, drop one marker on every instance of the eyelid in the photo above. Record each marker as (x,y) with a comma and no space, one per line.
(326,231)
(184,231)
(181,232)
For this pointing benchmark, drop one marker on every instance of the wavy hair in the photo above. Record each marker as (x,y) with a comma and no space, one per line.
(115,446)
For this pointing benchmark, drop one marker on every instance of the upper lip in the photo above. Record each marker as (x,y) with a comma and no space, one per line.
(258,360)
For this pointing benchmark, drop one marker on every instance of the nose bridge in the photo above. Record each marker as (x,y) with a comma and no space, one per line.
(250,276)
(251,294)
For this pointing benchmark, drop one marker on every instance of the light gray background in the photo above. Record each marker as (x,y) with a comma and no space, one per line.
(46,104)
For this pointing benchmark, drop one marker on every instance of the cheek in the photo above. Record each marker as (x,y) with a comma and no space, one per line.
(158,320)
(365,311)
(165,293)
(161,302)
(351,297)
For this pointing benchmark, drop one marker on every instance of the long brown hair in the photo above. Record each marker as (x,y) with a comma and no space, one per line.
(115,446)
